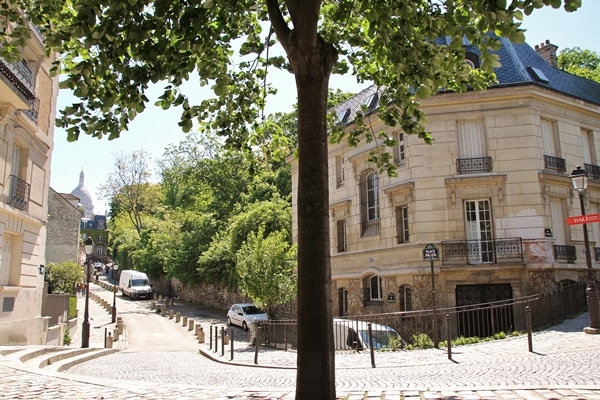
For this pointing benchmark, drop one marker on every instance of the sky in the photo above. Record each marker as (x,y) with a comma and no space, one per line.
(155,129)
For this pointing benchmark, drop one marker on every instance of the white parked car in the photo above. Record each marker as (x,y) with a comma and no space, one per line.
(243,314)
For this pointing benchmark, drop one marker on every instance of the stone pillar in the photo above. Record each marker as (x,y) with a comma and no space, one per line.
(201,336)
(191,325)
(177,318)
(115,335)
(152,305)
(120,325)
(163,311)
(171,314)
(185,321)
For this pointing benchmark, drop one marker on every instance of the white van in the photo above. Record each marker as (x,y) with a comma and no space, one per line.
(353,334)
(135,284)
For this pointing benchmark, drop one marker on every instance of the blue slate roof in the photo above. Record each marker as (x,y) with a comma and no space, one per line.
(520,65)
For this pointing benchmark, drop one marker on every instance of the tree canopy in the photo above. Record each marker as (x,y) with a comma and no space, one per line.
(584,63)
(111,51)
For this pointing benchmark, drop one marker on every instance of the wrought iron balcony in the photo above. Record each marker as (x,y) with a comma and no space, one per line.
(472,252)
(562,252)
(555,163)
(473,165)
(19,193)
(593,171)
(20,78)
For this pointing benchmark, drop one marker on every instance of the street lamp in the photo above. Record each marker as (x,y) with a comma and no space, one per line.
(579,179)
(85,326)
(114,307)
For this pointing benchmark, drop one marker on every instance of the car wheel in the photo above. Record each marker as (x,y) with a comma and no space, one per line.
(245,326)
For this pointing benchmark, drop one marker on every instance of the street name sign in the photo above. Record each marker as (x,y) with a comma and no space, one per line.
(430,252)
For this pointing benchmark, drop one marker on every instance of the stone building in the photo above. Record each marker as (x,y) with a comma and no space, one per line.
(27,112)
(63,228)
(491,194)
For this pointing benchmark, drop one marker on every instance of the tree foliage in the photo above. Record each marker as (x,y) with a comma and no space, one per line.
(111,51)
(584,63)
(265,265)
(62,277)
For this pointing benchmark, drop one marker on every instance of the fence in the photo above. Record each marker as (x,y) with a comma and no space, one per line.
(480,320)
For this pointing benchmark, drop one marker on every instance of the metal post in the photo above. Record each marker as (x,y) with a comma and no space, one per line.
(256,342)
(231,342)
(222,340)
(85,326)
(372,350)
(591,290)
(449,336)
(529,337)
(435,335)
(114,307)
(210,338)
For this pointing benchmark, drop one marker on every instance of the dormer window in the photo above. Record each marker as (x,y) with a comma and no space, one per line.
(343,116)
(372,101)
(472,59)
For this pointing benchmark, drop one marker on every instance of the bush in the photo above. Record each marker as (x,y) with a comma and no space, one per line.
(422,341)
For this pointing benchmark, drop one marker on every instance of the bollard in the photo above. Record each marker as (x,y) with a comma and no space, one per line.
(115,335)
(191,325)
(201,336)
(171,314)
(163,311)
(177,318)
(160,298)
(109,341)
(210,338)
(152,305)
(216,339)
(120,325)
(171,302)
(529,338)
(185,321)
(223,337)
(231,342)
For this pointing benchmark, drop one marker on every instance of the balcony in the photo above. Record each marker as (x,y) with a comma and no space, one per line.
(474,165)
(562,252)
(474,252)
(555,163)
(17,87)
(593,171)
(19,193)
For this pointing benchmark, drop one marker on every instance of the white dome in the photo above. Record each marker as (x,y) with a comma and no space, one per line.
(85,197)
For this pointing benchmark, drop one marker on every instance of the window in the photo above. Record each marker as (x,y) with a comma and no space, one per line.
(369,203)
(587,144)
(342,302)
(100,238)
(402,224)
(340,172)
(557,215)
(372,101)
(6,260)
(375,288)
(478,219)
(398,149)
(471,139)
(341,235)
(405,298)
(343,116)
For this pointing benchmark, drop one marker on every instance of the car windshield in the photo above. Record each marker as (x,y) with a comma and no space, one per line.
(381,339)
(252,310)
(139,282)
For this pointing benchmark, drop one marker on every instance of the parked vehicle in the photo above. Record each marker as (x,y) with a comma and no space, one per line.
(244,314)
(97,266)
(135,284)
(353,334)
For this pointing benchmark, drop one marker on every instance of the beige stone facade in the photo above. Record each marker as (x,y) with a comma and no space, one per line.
(27,103)
(485,193)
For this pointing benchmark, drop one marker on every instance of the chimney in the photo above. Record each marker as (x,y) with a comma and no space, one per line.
(548,53)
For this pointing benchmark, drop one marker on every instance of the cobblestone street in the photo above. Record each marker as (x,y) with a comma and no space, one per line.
(564,365)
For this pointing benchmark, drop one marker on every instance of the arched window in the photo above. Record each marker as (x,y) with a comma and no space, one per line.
(372,290)
(369,189)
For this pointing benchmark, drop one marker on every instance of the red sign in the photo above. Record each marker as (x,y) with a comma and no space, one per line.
(583,219)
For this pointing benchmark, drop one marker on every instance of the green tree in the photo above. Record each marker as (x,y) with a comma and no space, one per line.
(112,50)
(584,63)
(62,277)
(265,266)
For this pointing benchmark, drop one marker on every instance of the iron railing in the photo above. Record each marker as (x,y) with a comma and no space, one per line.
(20,77)
(562,252)
(493,251)
(19,193)
(555,163)
(593,171)
(473,165)
(474,320)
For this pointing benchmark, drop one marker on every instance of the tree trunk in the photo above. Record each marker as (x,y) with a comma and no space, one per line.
(316,358)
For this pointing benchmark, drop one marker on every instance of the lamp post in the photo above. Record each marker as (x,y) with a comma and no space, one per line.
(579,180)
(85,326)
(114,307)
